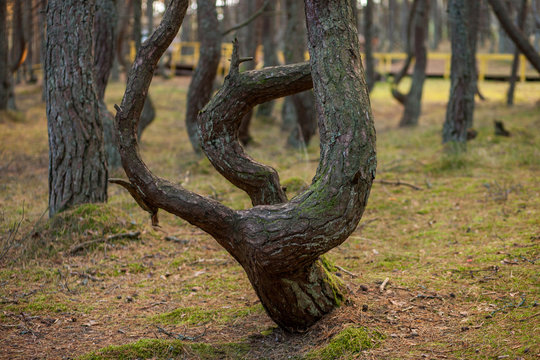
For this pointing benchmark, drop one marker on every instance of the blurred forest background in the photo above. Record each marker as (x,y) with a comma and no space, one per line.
(443,265)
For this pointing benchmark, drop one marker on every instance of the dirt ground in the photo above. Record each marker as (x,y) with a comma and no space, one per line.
(449,271)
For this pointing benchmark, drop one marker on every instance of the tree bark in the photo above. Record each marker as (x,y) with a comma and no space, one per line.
(460,109)
(412,101)
(278,245)
(515,34)
(299,109)
(150,16)
(29,35)
(77,162)
(202,81)
(368,44)
(104,50)
(4,57)
(18,50)
(515,62)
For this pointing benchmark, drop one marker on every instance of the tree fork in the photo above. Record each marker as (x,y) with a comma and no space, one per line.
(278,245)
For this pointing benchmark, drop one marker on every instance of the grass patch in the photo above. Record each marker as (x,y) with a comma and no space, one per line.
(347,344)
(168,349)
(198,316)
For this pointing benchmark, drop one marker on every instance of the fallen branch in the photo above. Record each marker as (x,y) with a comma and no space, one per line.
(346,271)
(397,183)
(383,285)
(76,248)
(85,276)
(179,336)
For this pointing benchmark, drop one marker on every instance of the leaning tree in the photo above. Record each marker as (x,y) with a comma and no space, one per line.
(278,242)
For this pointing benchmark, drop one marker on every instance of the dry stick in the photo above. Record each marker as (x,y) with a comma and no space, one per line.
(86,244)
(346,271)
(397,183)
(383,285)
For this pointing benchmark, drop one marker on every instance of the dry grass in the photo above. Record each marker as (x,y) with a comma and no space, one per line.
(461,255)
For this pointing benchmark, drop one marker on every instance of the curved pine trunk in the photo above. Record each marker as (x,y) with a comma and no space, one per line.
(278,245)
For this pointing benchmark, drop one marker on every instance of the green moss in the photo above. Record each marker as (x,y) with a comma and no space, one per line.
(294,185)
(169,349)
(333,281)
(347,344)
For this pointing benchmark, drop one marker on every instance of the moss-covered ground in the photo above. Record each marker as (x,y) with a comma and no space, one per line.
(461,255)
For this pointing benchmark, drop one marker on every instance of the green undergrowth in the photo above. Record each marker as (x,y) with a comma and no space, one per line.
(347,344)
(198,316)
(159,349)
(84,223)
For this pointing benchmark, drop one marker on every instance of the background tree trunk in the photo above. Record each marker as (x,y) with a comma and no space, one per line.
(413,100)
(4,57)
(515,62)
(460,110)
(299,108)
(18,49)
(269,49)
(202,81)
(368,44)
(517,36)
(29,35)
(149,113)
(77,162)
(105,21)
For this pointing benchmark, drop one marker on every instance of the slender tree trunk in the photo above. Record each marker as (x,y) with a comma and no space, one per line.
(392,11)
(43,45)
(515,34)
(4,57)
(437,24)
(77,162)
(515,62)
(105,21)
(368,44)
(269,48)
(405,10)
(248,46)
(150,16)
(29,35)
(460,109)
(301,106)
(202,81)
(278,245)
(18,50)
(148,114)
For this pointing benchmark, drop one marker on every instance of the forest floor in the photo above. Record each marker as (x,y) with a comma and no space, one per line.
(460,254)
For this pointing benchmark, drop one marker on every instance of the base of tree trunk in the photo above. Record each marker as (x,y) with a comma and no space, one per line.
(296,301)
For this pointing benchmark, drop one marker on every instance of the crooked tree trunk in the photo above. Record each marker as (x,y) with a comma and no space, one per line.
(515,34)
(515,62)
(4,56)
(412,101)
(104,49)
(368,44)
(278,245)
(202,81)
(299,109)
(460,109)
(77,162)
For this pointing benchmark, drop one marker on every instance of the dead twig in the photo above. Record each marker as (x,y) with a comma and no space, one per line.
(85,276)
(346,271)
(129,235)
(383,285)
(398,183)
(180,336)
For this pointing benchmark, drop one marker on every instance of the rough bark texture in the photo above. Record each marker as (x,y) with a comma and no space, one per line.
(104,49)
(460,109)
(299,108)
(77,162)
(368,44)
(4,56)
(278,245)
(202,81)
(515,34)
(515,62)
(412,101)
(269,49)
